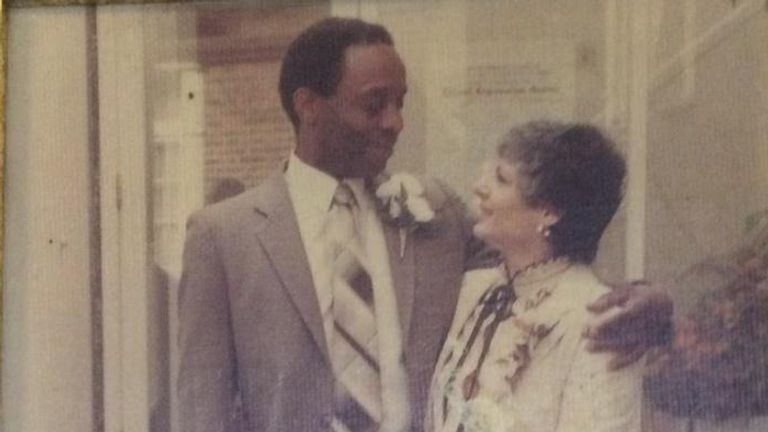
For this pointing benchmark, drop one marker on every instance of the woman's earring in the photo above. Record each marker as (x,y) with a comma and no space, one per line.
(543,230)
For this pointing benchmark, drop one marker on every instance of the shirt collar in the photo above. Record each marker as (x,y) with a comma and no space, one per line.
(312,188)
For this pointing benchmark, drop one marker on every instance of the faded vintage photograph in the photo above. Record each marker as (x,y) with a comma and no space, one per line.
(386,215)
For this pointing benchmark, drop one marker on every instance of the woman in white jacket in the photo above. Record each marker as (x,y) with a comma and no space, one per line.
(515,359)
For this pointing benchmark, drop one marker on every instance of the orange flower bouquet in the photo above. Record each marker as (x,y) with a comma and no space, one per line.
(717,364)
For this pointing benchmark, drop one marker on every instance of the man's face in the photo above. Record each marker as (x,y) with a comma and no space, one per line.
(358,125)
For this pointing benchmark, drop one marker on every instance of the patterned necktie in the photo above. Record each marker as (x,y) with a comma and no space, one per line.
(354,344)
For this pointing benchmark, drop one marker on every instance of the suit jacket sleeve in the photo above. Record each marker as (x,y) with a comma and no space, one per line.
(206,383)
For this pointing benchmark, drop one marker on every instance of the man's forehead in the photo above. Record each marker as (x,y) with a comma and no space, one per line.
(370,66)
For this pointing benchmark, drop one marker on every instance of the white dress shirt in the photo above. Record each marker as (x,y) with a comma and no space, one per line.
(311,192)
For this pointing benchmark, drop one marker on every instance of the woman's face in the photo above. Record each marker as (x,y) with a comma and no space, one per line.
(505,221)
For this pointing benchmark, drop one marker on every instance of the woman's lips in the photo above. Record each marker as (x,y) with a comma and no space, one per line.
(480,211)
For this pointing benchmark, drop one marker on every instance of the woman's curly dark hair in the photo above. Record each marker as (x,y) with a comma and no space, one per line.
(574,169)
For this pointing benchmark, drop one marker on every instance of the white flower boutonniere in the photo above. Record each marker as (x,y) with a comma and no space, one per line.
(402,202)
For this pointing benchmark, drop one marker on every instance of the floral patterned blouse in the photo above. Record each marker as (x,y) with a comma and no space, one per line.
(514,359)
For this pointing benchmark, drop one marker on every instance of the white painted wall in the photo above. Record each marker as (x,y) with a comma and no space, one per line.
(46,371)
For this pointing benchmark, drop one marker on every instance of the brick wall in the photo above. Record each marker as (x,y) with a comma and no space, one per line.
(247,135)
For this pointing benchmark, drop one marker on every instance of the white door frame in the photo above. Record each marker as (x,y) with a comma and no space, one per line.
(123,130)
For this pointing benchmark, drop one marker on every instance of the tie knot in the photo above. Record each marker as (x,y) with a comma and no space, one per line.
(344,196)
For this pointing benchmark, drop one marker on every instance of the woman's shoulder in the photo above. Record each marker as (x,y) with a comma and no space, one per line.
(580,284)
(578,287)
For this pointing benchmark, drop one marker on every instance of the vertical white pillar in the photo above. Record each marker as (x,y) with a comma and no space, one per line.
(617,40)
(124,216)
(189,171)
(637,155)
(47,362)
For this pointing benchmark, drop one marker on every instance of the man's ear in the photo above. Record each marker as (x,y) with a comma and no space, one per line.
(306,105)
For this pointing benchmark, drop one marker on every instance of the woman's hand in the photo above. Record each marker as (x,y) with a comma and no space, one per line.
(629,320)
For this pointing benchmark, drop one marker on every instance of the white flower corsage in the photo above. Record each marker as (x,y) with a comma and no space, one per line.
(485,415)
(403,204)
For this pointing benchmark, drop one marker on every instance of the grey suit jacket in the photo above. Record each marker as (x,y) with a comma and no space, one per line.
(250,323)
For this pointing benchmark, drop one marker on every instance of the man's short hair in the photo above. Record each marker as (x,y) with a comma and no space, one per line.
(315,58)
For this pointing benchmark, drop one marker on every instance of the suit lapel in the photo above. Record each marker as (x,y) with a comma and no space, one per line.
(280,237)
(404,267)
(403,275)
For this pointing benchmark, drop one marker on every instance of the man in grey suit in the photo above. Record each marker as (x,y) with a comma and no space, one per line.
(254,305)
(251,311)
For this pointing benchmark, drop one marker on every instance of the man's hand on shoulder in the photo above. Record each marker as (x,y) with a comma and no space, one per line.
(629,320)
